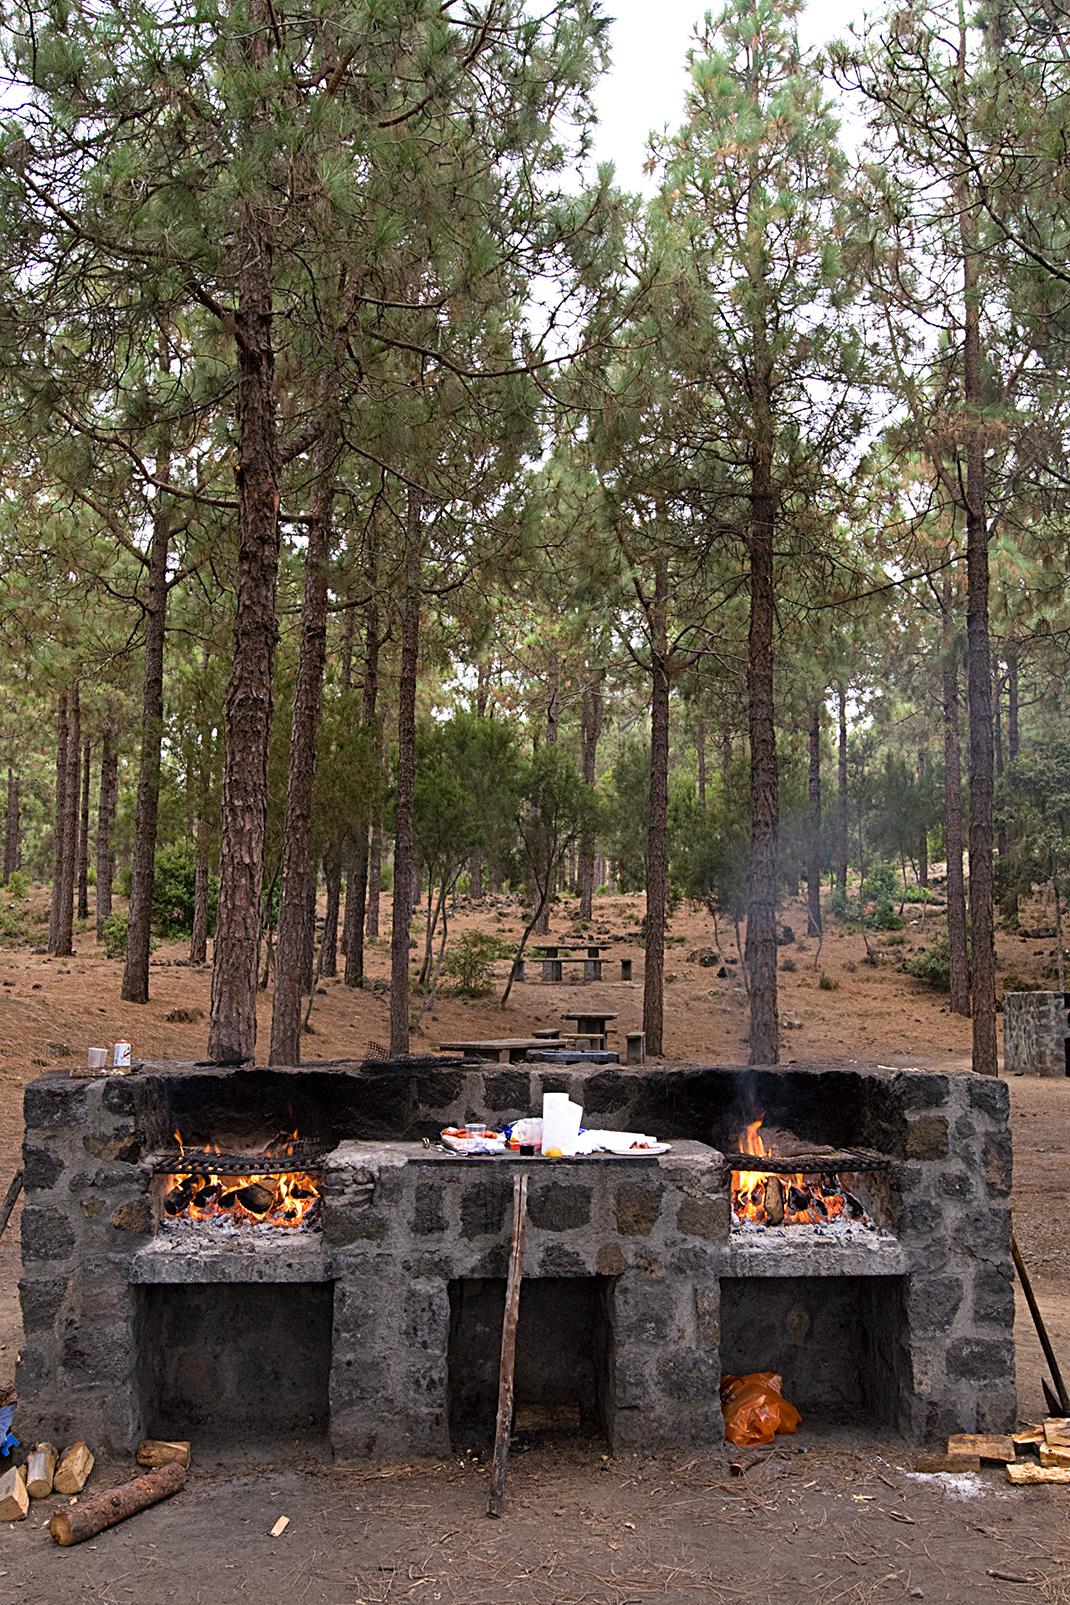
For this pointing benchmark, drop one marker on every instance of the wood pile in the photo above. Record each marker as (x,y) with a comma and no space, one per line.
(47,1472)
(1030,1456)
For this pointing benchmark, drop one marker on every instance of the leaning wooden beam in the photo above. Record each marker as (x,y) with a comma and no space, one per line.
(508,1358)
(92,1516)
(10,1200)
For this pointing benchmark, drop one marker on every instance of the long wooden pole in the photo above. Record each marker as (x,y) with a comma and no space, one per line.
(506,1369)
(10,1200)
(1042,1331)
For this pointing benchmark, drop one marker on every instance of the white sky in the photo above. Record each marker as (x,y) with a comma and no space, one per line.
(644,88)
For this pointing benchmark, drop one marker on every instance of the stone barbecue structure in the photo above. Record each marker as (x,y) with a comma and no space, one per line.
(375,1326)
(1036,1033)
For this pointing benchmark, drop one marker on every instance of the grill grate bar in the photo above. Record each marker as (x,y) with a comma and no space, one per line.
(819,1164)
(237,1164)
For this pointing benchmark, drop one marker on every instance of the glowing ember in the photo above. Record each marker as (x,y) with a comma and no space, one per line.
(765,1198)
(288,1198)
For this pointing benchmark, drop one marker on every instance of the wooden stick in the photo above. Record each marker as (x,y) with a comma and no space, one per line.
(1042,1331)
(10,1200)
(161,1452)
(92,1516)
(505,1371)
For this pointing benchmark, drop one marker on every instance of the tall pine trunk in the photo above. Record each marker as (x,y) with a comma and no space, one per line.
(997,749)
(332,876)
(700,755)
(65,928)
(232,1031)
(657,850)
(198,941)
(841,792)
(590,731)
(291,961)
(135,987)
(83,835)
(813,855)
(978,663)
(760,954)
(59,818)
(357,883)
(403,797)
(11,825)
(958,957)
(923,834)
(375,882)
(106,808)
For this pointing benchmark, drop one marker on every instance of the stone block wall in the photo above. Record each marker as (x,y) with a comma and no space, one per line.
(1036,1026)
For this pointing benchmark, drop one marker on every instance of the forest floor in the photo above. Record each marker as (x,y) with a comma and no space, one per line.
(831,1523)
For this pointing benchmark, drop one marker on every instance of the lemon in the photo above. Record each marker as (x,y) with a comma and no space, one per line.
(553,1153)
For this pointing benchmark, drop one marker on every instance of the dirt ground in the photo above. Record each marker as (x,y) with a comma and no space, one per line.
(835,1524)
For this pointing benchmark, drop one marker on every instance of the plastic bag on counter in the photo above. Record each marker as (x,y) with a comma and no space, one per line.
(754,1408)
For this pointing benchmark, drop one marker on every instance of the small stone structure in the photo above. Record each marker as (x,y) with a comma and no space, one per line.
(374,1330)
(1036,1031)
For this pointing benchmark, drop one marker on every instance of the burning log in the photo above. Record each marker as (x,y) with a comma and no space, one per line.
(798,1199)
(73,1470)
(40,1471)
(257,1197)
(92,1516)
(774,1201)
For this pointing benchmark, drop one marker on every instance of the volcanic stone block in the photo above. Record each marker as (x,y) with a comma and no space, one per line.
(957,1184)
(689,1375)
(997,1159)
(708,1315)
(41,1168)
(993,1298)
(53,1102)
(47,1234)
(557,1260)
(559,1206)
(637,1206)
(1035,1033)
(41,1301)
(980,1359)
(990,1095)
(927,1137)
(643,1311)
(125,1144)
(703,1217)
(135,1216)
(428,1214)
(933,1302)
(508,1090)
(483,1207)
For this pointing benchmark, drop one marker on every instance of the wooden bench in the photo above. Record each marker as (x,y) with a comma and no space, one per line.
(514,1048)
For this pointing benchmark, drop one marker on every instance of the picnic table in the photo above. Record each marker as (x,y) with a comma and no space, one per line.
(514,1048)
(554,956)
(591,1025)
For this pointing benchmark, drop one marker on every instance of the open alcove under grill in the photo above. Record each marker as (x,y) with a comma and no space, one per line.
(246,1360)
(563,1339)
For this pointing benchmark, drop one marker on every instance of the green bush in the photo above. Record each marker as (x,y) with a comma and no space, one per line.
(920,894)
(932,965)
(827,983)
(469,962)
(881,885)
(18,884)
(173,891)
(113,933)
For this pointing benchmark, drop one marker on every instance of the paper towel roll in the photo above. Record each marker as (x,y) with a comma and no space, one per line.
(560,1122)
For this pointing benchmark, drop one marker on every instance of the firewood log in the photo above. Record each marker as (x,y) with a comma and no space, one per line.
(1057,1432)
(954,1463)
(14,1500)
(73,1470)
(162,1452)
(257,1197)
(1023,1474)
(40,1471)
(1054,1457)
(78,1522)
(774,1201)
(986,1446)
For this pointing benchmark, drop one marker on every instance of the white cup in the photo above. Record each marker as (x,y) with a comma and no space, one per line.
(97,1059)
(121,1057)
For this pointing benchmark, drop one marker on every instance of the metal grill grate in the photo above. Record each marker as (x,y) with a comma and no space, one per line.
(199,1164)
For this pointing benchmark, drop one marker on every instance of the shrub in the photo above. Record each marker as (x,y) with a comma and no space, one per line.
(113,933)
(18,884)
(827,982)
(897,939)
(173,889)
(788,965)
(469,962)
(932,965)
(919,894)
(881,885)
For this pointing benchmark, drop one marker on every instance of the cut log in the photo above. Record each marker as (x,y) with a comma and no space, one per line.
(1024,1475)
(72,1473)
(1057,1432)
(161,1452)
(1027,1437)
(1054,1457)
(774,1201)
(957,1463)
(92,1516)
(257,1197)
(986,1446)
(40,1470)
(14,1500)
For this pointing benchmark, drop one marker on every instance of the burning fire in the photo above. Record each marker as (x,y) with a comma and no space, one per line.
(775,1199)
(287,1198)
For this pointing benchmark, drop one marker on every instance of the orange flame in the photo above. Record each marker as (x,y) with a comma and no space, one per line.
(286,1199)
(804,1199)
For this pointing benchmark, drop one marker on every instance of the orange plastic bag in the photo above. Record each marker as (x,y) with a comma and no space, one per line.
(754,1408)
